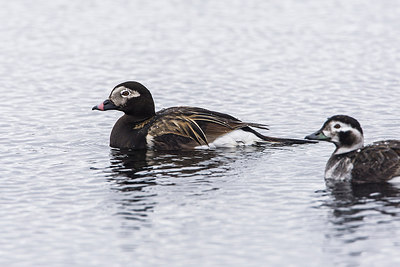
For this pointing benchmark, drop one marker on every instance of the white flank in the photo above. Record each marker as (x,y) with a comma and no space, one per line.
(149,141)
(395,180)
(340,171)
(233,139)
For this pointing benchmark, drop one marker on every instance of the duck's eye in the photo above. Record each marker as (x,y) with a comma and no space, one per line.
(125,93)
(337,126)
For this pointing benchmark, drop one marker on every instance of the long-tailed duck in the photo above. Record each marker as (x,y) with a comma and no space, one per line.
(351,160)
(173,128)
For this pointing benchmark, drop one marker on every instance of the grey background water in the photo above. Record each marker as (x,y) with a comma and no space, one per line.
(67,199)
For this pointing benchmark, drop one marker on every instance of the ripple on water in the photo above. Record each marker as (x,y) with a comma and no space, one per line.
(290,64)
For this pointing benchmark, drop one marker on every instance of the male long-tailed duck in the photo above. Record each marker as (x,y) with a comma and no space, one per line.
(141,127)
(351,160)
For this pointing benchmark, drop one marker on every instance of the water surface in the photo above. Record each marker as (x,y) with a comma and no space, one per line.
(68,199)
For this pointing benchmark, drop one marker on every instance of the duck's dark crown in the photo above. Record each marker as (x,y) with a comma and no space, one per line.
(345,119)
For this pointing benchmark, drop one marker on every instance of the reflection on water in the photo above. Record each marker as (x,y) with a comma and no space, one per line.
(285,63)
(127,177)
(355,208)
(134,164)
(134,174)
(137,166)
(137,176)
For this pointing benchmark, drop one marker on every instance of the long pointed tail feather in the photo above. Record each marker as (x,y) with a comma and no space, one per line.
(286,141)
(277,140)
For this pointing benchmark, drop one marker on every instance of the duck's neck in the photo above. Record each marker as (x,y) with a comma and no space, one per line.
(347,149)
(127,133)
(135,119)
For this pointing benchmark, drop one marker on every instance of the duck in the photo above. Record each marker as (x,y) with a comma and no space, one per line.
(352,161)
(176,128)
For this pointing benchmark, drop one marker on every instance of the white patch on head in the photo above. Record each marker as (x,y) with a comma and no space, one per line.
(233,139)
(332,131)
(129,93)
(120,95)
(334,127)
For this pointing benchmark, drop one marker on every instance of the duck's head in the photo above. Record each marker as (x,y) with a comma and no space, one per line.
(132,98)
(344,131)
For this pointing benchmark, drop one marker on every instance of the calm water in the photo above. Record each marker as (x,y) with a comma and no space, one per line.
(67,199)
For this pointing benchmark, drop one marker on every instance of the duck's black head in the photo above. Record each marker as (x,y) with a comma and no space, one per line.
(344,131)
(132,98)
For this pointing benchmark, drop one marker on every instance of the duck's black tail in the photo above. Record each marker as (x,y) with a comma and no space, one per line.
(277,140)
(285,141)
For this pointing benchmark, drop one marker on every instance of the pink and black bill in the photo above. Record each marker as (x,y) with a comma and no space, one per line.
(106,105)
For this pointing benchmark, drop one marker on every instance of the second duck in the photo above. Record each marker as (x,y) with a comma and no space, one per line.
(352,161)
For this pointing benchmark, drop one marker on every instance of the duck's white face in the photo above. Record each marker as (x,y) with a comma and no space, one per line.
(338,132)
(120,95)
(345,132)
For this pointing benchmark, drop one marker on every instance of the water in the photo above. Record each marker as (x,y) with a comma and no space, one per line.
(67,199)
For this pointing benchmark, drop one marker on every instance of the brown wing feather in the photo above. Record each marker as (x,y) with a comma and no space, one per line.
(377,162)
(229,123)
(200,125)
(178,125)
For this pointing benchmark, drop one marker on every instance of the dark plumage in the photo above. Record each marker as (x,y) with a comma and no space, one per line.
(351,161)
(173,128)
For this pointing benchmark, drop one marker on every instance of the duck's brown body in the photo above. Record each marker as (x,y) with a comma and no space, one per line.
(378,162)
(182,128)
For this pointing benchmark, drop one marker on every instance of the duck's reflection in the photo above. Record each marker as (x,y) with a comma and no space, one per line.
(139,176)
(134,202)
(131,165)
(355,193)
(356,207)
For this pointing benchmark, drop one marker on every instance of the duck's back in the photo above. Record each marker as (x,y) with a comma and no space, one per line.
(189,127)
(377,162)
